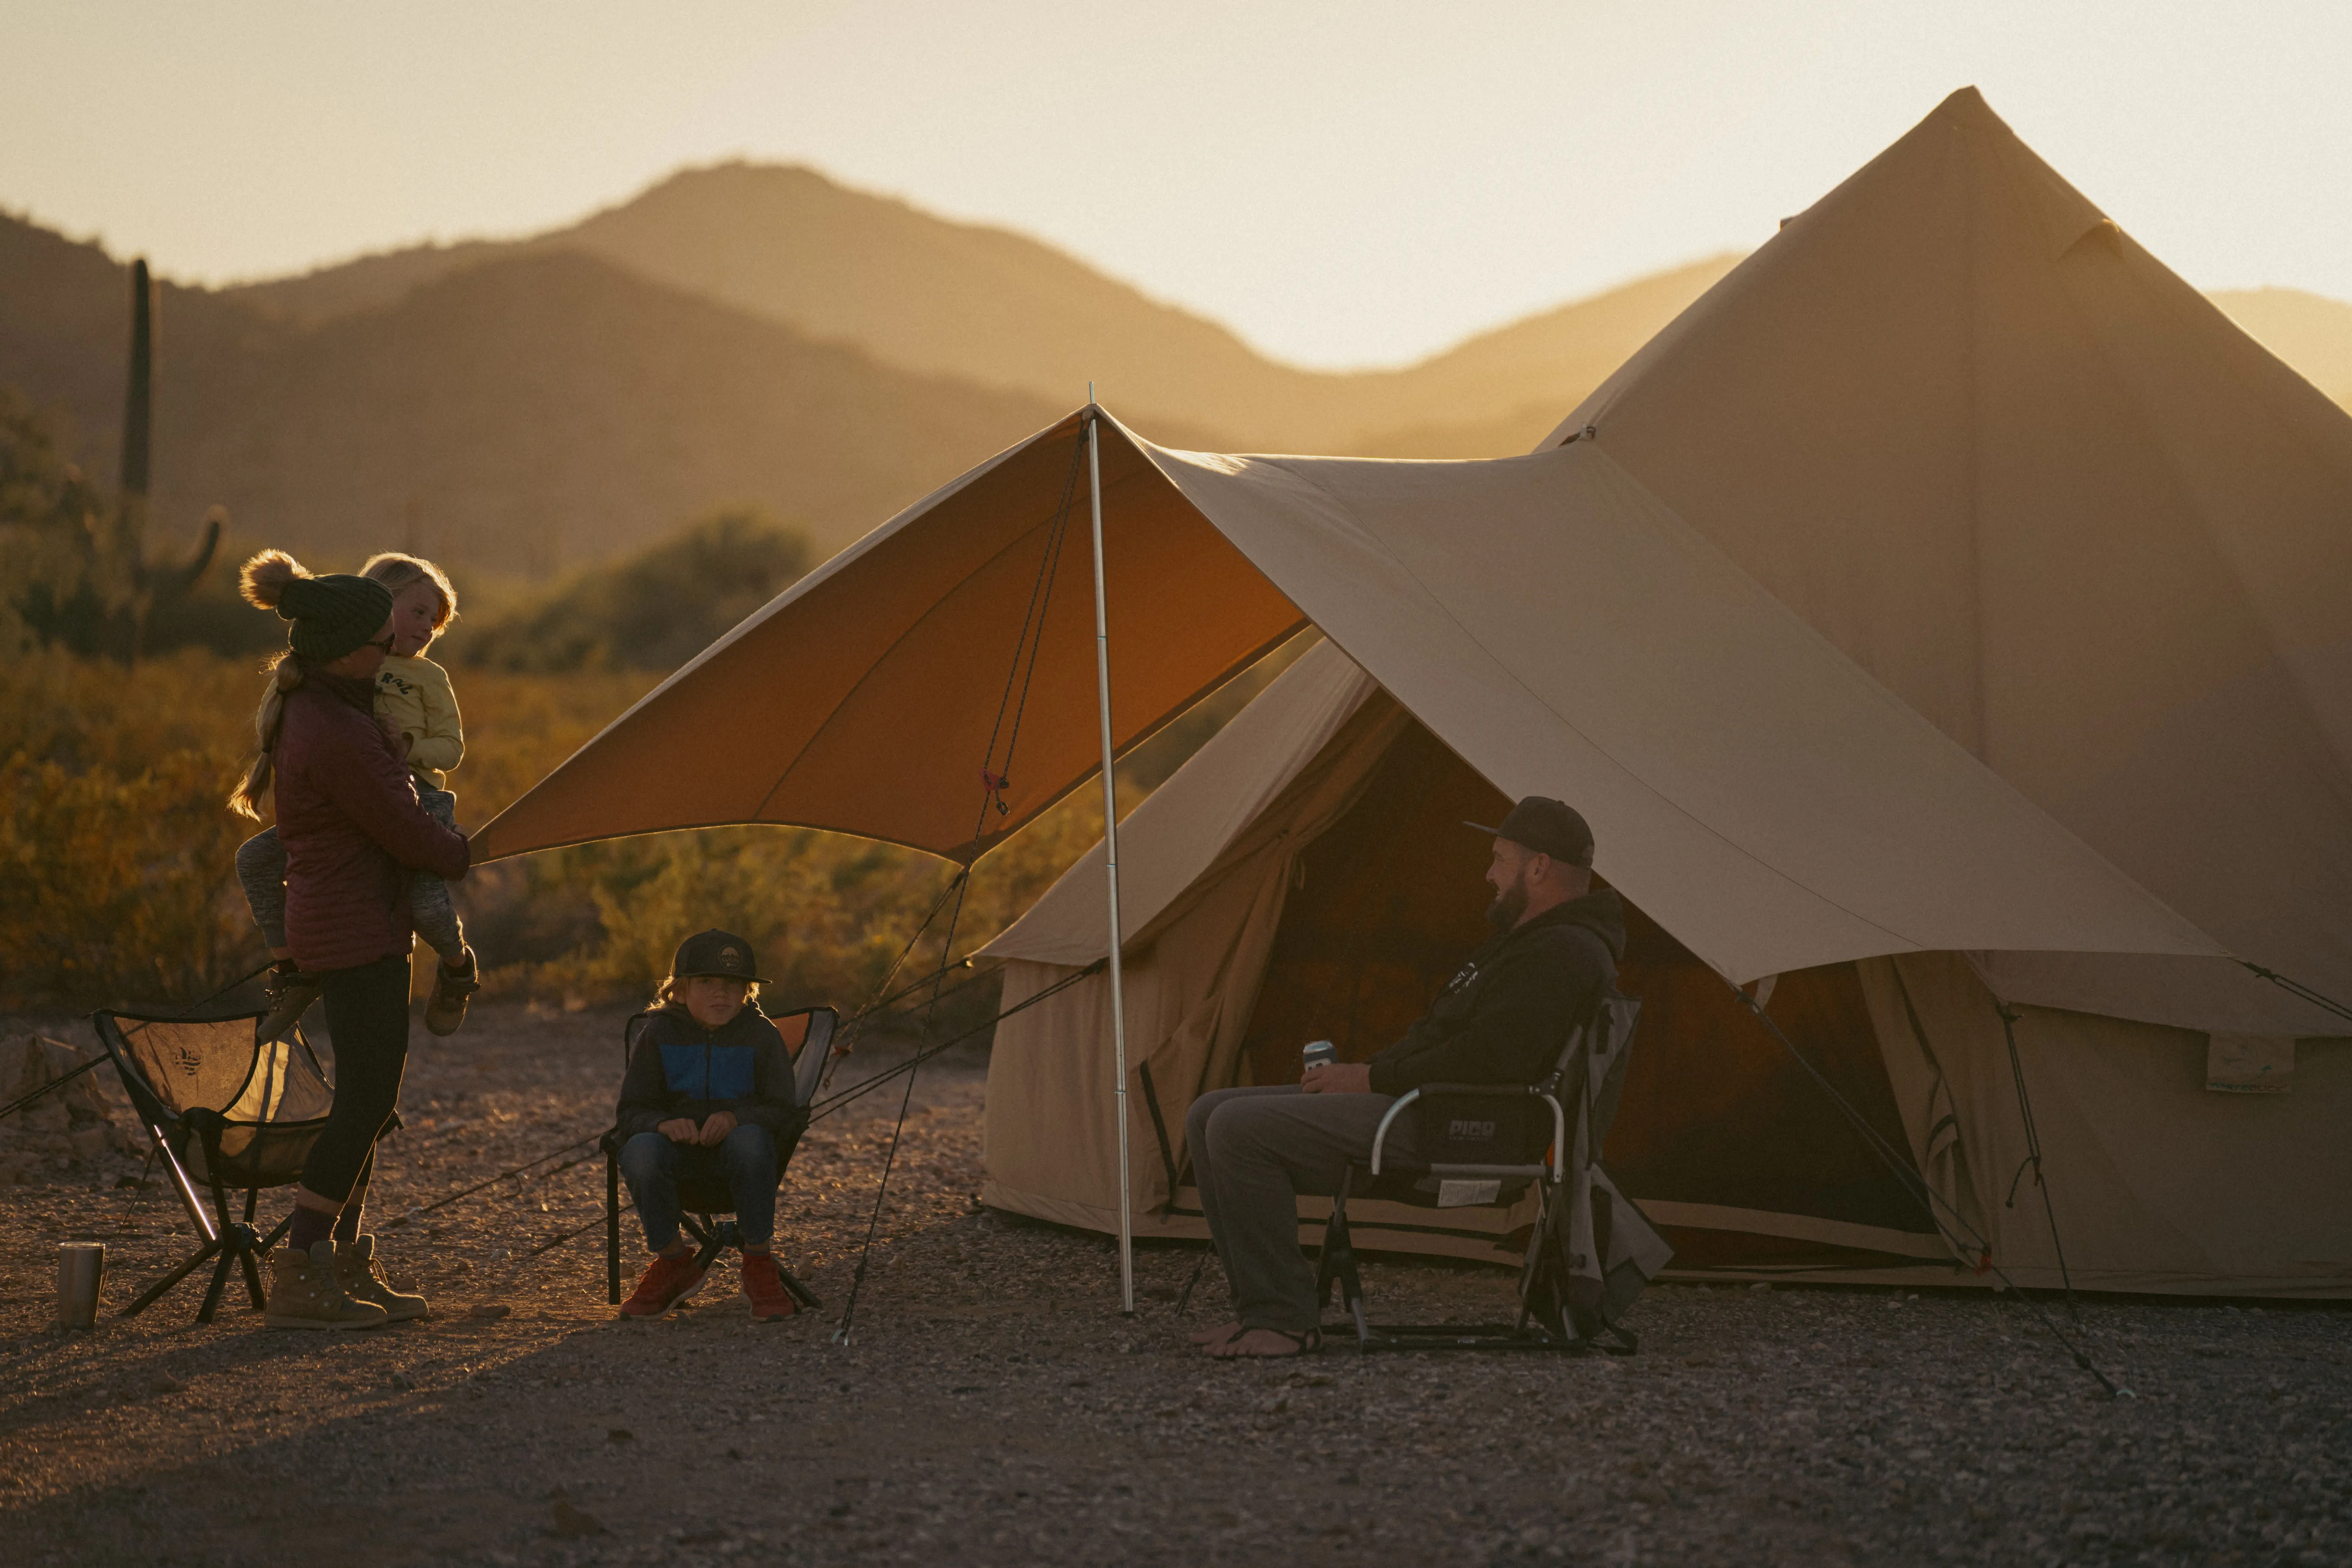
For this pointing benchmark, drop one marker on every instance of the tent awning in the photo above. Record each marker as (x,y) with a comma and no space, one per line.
(864,698)
(1546,616)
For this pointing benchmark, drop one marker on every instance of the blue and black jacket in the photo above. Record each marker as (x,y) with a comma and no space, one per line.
(681,1069)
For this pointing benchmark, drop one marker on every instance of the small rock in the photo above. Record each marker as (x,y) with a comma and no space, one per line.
(492,1310)
(402,1381)
(1759,1285)
(622,1435)
(570,1524)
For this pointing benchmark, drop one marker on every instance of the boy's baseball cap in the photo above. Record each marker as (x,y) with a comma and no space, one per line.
(1548,826)
(716,952)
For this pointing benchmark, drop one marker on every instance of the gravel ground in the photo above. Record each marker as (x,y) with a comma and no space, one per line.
(995,1407)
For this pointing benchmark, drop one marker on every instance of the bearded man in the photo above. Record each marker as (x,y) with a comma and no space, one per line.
(1503,1018)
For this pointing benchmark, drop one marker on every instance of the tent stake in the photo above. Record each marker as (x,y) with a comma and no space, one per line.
(1111,857)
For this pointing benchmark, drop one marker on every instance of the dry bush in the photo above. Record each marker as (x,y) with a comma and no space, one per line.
(117,854)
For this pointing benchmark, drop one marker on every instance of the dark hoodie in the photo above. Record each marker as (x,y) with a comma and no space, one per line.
(1506,1014)
(680,1070)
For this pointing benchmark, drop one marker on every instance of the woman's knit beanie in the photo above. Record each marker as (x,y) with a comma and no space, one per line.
(333,615)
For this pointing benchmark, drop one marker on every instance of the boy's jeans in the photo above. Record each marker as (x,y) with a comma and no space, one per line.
(653,1166)
(261,871)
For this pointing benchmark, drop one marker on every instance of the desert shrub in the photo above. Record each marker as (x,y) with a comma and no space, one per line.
(113,840)
(654,610)
(116,851)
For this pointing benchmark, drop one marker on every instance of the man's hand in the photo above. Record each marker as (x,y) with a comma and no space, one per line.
(1338,1078)
(679,1129)
(715,1131)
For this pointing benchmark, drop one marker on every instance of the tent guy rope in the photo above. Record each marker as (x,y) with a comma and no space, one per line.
(995,779)
(1929,1197)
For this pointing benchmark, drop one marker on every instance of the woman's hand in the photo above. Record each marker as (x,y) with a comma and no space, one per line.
(715,1131)
(680,1129)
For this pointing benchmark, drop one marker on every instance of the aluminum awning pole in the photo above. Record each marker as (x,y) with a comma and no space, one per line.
(1110,860)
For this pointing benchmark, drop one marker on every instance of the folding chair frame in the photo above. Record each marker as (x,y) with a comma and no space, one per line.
(712,1233)
(1549,1317)
(1543,1322)
(229,1243)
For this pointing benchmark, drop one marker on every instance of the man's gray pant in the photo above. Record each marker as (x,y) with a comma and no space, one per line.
(1254,1151)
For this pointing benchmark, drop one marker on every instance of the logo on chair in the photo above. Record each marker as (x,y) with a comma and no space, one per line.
(188,1061)
(1463,1127)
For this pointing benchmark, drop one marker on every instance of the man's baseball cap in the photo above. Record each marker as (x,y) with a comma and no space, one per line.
(717,952)
(1548,826)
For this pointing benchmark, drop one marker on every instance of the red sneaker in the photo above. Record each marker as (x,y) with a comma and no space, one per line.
(663,1284)
(764,1283)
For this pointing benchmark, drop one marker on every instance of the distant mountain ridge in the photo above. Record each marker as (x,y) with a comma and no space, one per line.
(520,415)
(998,308)
(749,334)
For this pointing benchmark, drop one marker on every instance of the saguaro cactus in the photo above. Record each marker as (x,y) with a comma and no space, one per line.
(129,583)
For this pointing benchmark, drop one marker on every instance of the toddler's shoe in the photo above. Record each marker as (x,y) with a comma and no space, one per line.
(764,1283)
(663,1284)
(452,989)
(291,992)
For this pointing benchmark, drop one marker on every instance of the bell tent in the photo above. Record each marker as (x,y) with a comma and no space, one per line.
(1934,622)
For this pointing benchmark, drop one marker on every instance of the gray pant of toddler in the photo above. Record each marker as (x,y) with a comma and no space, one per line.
(1254,1151)
(261,872)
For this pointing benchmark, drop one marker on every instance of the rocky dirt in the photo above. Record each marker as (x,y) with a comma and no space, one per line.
(995,1407)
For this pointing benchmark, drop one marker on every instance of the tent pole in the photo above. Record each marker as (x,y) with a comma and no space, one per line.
(1111,857)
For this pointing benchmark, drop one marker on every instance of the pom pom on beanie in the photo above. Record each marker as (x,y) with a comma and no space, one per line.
(265,575)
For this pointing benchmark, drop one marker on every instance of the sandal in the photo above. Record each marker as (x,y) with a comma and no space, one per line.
(1307,1343)
(1215,1336)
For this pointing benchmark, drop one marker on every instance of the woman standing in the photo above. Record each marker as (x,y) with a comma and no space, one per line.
(352,831)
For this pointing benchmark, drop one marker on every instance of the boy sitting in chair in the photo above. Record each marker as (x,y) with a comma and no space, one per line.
(699,1105)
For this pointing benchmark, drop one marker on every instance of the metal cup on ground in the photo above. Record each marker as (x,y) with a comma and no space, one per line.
(81,1280)
(1318,1054)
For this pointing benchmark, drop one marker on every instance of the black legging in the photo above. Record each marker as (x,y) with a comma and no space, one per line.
(367,1018)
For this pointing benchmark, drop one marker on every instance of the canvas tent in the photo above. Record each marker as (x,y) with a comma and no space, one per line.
(1778,788)
(1305,874)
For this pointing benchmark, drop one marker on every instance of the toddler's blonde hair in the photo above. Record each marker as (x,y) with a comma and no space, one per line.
(396,572)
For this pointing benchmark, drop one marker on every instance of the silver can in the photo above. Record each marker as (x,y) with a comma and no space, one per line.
(1318,1054)
(81,1280)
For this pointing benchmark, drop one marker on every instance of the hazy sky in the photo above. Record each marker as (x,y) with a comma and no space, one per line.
(1345,183)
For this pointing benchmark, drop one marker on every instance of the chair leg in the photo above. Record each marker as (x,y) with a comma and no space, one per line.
(154,1292)
(611,1228)
(715,1238)
(230,1252)
(799,1291)
(1338,1261)
(250,1255)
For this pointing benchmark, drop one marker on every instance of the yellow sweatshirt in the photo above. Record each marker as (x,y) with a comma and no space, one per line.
(415,694)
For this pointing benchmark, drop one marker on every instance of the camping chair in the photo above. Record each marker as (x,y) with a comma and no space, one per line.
(1590,1252)
(226,1110)
(807,1038)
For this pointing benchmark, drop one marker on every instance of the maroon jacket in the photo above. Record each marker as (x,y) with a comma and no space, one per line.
(348,817)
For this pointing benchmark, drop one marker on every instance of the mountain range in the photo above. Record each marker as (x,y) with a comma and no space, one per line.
(747,333)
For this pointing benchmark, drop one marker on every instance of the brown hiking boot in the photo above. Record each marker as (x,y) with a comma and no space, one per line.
(304,1293)
(362,1278)
(452,989)
(291,992)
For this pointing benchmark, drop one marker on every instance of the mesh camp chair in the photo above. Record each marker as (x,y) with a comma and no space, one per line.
(1590,1252)
(805,1038)
(225,1110)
